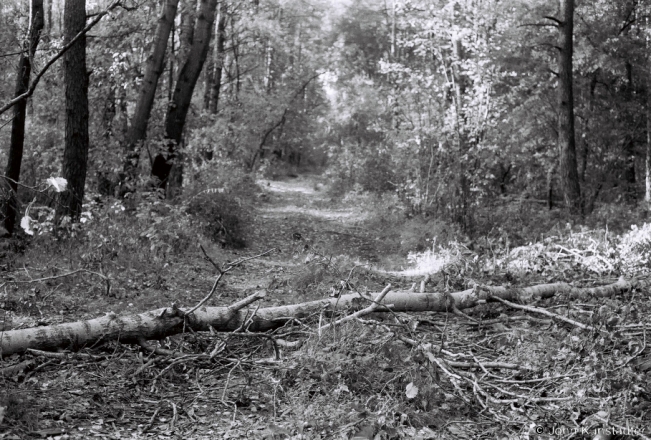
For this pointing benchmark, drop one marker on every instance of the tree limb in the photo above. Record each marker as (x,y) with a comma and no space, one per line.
(37,78)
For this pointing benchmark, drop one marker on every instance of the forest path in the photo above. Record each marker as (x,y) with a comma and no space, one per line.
(298,212)
(298,217)
(320,241)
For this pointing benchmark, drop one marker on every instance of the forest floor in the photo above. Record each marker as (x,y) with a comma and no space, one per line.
(311,236)
(366,379)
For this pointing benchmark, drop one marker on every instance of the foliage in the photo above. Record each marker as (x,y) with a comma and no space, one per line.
(634,249)
(434,123)
(220,218)
(19,411)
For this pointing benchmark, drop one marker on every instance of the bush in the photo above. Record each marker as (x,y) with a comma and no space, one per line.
(420,233)
(220,217)
(635,249)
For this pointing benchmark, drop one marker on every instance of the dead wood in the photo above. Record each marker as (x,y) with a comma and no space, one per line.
(161,323)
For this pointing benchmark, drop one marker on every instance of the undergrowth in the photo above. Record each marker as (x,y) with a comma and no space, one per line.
(490,371)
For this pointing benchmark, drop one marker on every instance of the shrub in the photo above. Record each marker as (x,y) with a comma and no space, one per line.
(220,217)
(635,249)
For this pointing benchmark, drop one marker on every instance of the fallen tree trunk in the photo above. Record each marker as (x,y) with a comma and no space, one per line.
(158,324)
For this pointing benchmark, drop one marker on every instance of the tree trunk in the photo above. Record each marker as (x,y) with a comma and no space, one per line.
(628,150)
(49,19)
(297,49)
(8,196)
(209,78)
(236,60)
(188,17)
(218,58)
(75,153)
(161,323)
(170,76)
(647,157)
(460,82)
(178,108)
(155,66)
(585,152)
(268,63)
(566,137)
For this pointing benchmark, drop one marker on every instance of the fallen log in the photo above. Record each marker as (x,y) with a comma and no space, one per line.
(161,323)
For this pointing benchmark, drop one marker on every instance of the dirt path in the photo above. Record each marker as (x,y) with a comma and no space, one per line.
(319,242)
(299,218)
(300,210)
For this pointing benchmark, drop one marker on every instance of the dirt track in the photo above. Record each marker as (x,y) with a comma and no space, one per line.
(299,218)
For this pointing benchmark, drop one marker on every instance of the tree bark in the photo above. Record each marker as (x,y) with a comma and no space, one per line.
(155,66)
(566,135)
(297,49)
(236,60)
(647,156)
(170,74)
(161,323)
(585,152)
(218,58)
(8,196)
(177,111)
(628,147)
(75,153)
(188,16)
(460,83)
(209,78)
(268,63)
(49,28)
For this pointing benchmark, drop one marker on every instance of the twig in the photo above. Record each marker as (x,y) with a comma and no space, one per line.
(245,259)
(637,353)
(151,421)
(18,368)
(212,290)
(246,301)
(228,379)
(273,340)
(188,357)
(221,274)
(215,265)
(544,312)
(174,416)
(374,306)
(144,367)
(106,279)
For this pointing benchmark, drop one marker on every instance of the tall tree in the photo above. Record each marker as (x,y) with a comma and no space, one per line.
(172,173)
(155,65)
(566,135)
(218,58)
(12,172)
(647,156)
(188,16)
(628,147)
(75,153)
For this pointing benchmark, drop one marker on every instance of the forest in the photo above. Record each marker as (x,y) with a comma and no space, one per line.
(325,219)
